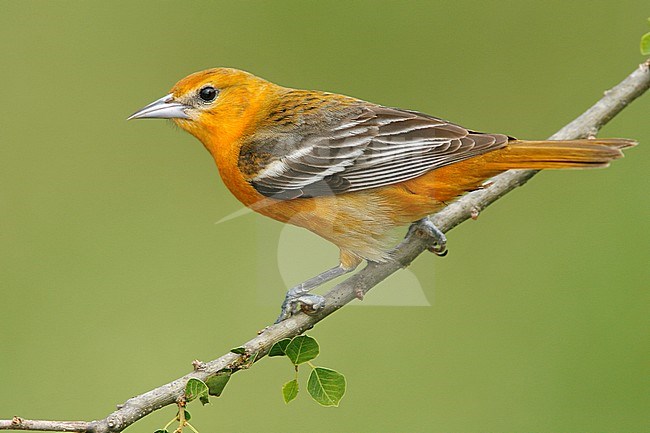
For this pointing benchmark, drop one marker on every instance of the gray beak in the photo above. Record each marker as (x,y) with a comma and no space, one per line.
(163,108)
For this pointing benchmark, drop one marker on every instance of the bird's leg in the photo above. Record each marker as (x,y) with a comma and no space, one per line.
(427,228)
(299,295)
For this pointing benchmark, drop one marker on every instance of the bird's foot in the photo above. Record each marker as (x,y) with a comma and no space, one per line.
(437,238)
(299,297)
(295,300)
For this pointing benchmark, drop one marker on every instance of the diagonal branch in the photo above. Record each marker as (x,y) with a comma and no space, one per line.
(140,406)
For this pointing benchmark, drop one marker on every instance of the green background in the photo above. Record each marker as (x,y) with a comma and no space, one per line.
(114,275)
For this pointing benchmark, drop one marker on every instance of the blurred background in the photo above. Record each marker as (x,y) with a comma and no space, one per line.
(114,275)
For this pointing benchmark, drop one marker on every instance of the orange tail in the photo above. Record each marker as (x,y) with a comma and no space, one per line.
(539,155)
(450,181)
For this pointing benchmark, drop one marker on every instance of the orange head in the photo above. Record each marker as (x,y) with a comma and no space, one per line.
(215,105)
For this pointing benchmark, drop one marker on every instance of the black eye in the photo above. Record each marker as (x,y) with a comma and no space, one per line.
(208,93)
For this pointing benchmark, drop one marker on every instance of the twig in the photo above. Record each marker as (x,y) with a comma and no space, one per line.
(466,207)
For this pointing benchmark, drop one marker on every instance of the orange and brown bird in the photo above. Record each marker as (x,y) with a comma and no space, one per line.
(346,169)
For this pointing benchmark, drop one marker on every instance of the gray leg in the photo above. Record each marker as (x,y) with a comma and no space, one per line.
(426,227)
(299,295)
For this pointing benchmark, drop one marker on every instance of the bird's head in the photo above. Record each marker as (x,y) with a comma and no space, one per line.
(215,104)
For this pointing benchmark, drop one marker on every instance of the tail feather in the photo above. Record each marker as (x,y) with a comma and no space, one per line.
(538,155)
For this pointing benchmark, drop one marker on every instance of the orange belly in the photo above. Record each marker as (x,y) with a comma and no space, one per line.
(360,223)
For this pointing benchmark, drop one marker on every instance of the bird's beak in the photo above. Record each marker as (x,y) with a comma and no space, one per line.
(163,108)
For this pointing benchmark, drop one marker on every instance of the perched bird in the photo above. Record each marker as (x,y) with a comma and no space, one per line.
(346,169)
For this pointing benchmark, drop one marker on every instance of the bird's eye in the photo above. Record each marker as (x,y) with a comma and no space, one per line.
(208,93)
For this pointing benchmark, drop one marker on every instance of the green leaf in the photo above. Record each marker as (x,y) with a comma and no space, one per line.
(250,360)
(218,382)
(196,388)
(302,349)
(188,415)
(239,350)
(290,390)
(645,44)
(279,347)
(326,386)
(161,431)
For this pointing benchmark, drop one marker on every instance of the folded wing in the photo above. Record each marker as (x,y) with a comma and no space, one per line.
(371,147)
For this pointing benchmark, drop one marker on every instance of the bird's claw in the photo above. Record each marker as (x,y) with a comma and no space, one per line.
(307,303)
(310,304)
(438,250)
(437,238)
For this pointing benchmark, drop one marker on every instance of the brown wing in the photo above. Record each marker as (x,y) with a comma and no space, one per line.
(369,146)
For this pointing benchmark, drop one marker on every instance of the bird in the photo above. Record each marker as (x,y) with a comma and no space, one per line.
(346,169)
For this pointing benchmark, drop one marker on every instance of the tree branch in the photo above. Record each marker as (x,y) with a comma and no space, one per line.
(467,206)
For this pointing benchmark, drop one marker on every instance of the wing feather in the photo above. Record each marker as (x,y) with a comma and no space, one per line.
(369,146)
